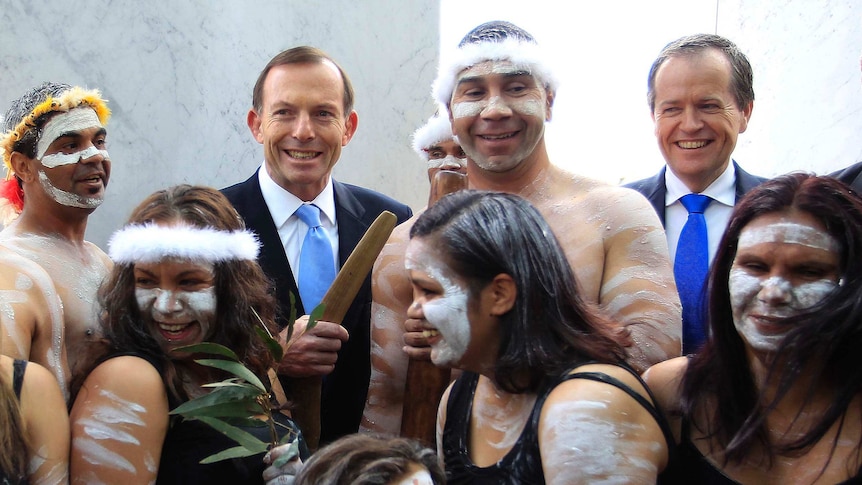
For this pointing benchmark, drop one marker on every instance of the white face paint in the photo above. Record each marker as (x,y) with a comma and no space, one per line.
(447,312)
(776,274)
(57,159)
(420,476)
(67,198)
(74,120)
(173,313)
(448,162)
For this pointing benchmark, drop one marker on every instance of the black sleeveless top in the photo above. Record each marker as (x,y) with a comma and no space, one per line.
(187,442)
(523,463)
(690,466)
(18,367)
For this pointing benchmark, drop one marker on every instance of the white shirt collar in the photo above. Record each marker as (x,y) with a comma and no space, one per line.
(722,189)
(282,204)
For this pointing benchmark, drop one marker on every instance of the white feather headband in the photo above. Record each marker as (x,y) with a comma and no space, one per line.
(519,53)
(151,243)
(436,130)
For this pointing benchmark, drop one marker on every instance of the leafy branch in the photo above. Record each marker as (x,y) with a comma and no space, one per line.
(243,400)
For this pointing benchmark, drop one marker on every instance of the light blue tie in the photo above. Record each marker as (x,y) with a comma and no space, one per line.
(690,269)
(316,262)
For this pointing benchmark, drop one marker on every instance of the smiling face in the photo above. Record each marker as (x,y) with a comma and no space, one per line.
(697,119)
(302,125)
(785,264)
(498,111)
(177,300)
(446,155)
(73,164)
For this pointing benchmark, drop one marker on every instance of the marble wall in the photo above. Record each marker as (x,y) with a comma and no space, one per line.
(179,77)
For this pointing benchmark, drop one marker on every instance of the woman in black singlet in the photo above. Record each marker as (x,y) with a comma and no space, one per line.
(774,395)
(34,438)
(185,272)
(544,396)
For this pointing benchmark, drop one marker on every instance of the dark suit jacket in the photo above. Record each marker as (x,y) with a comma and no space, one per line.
(654,190)
(345,389)
(851,176)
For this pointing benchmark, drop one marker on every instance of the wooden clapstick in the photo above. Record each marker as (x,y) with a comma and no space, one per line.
(305,391)
(425,381)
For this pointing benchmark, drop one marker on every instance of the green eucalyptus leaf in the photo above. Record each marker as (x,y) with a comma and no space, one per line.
(315,316)
(272,344)
(291,453)
(235,452)
(234,368)
(236,409)
(221,395)
(232,382)
(208,348)
(242,437)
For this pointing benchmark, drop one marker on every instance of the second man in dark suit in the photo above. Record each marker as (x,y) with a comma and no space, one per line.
(303,115)
(701,94)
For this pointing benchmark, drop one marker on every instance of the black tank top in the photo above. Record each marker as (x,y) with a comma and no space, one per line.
(523,463)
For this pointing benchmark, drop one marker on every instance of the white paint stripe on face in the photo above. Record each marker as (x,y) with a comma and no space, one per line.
(449,161)
(67,198)
(789,233)
(74,120)
(58,159)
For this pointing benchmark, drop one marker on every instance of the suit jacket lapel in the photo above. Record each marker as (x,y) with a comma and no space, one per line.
(351,224)
(657,195)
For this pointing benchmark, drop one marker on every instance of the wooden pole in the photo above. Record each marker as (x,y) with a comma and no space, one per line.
(425,381)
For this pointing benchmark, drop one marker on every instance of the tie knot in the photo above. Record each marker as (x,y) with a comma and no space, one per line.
(309,214)
(695,203)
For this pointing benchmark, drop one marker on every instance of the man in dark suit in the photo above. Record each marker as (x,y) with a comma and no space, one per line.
(302,115)
(701,94)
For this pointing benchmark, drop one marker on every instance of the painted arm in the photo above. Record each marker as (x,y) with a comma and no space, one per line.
(391,295)
(119,422)
(638,289)
(43,410)
(32,318)
(592,432)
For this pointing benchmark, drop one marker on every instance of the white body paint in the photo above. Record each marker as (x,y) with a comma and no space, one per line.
(58,159)
(582,448)
(527,107)
(447,313)
(67,198)
(110,423)
(77,119)
(752,297)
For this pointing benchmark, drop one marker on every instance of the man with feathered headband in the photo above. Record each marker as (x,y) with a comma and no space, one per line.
(57,168)
(499,88)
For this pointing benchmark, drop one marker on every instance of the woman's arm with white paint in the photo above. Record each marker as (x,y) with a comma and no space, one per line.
(593,432)
(119,423)
(43,412)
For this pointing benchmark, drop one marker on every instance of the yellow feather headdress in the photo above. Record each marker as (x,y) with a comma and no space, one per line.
(70,99)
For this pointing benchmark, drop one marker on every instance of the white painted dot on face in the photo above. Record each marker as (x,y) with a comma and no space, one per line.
(74,120)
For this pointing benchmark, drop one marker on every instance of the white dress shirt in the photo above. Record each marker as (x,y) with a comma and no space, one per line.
(291,230)
(723,192)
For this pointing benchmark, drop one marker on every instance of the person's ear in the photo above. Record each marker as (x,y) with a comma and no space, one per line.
(23,167)
(253,119)
(350,125)
(549,104)
(502,292)
(746,115)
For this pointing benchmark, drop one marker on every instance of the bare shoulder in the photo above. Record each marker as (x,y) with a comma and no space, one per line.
(97,253)
(127,376)
(581,388)
(664,380)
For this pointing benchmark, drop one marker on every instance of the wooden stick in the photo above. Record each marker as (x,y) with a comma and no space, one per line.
(305,391)
(426,382)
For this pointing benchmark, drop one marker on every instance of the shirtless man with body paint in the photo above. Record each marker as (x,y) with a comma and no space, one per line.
(499,93)
(57,171)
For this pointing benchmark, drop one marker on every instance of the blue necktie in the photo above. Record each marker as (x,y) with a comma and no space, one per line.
(316,262)
(690,269)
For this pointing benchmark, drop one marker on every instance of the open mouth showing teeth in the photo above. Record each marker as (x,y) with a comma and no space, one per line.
(498,137)
(173,328)
(302,155)
(430,333)
(691,144)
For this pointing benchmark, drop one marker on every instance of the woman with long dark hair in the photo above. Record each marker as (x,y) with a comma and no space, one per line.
(774,395)
(184,273)
(544,396)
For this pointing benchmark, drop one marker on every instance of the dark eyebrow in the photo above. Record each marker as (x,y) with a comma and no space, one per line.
(508,75)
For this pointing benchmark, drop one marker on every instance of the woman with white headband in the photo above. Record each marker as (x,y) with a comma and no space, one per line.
(184,273)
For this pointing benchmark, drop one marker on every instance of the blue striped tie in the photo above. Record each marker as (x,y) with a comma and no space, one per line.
(690,269)
(316,262)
